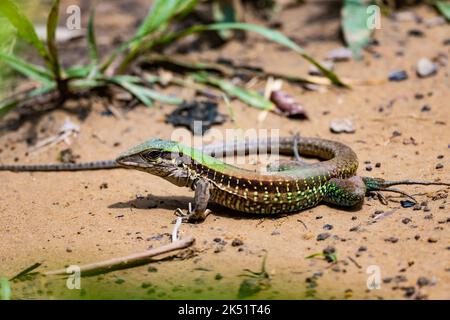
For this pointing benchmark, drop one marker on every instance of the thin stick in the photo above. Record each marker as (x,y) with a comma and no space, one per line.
(175,229)
(127,261)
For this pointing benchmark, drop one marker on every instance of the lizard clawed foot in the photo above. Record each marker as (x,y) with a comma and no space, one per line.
(192,215)
(384,200)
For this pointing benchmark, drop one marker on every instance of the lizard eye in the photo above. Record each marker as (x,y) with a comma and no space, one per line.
(152,155)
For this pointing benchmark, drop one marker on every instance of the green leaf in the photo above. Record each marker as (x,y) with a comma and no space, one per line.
(250,97)
(24,26)
(92,44)
(444,8)
(271,35)
(354,21)
(30,70)
(52,24)
(144,94)
(8,35)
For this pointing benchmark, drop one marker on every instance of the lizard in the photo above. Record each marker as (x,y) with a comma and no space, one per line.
(286,187)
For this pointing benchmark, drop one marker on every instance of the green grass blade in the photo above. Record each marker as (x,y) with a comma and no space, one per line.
(444,8)
(144,94)
(23,25)
(92,44)
(271,35)
(250,97)
(354,25)
(186,7)
(160,13)
(27,69)
(52,24)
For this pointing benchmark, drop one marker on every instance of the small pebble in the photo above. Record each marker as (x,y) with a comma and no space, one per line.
(340,54)
(405,16)
(323,236)
(435,21)
(425,108)
(432,240)
(396,133)
(368,167)
(328,227)
(417,237)
(328,250)
(422,282)
(387,280)
(425,68)
(378,165)
(439,166)
(406,220)
(415,33)
(407,203)
(237,242)
(398,75)
(391,239)
(342,126)
(409,291)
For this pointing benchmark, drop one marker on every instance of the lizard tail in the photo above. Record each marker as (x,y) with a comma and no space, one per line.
(95,165)
(377,184)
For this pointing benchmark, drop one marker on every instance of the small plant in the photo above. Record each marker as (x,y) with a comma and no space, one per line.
(255,281)
(154,33)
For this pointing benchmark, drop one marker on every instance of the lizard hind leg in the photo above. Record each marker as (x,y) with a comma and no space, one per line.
(345,192)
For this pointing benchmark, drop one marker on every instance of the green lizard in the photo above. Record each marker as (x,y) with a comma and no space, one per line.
(287,187)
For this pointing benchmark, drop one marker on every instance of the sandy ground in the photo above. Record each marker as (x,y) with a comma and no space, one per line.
(67,218)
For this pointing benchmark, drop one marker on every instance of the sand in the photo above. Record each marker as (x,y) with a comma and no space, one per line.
(59,219)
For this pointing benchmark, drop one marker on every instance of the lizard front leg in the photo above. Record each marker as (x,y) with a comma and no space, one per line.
(201,198)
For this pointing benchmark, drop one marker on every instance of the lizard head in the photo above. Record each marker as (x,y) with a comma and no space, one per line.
(162,158)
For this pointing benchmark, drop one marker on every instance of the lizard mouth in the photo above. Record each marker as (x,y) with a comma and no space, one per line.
(132,161)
